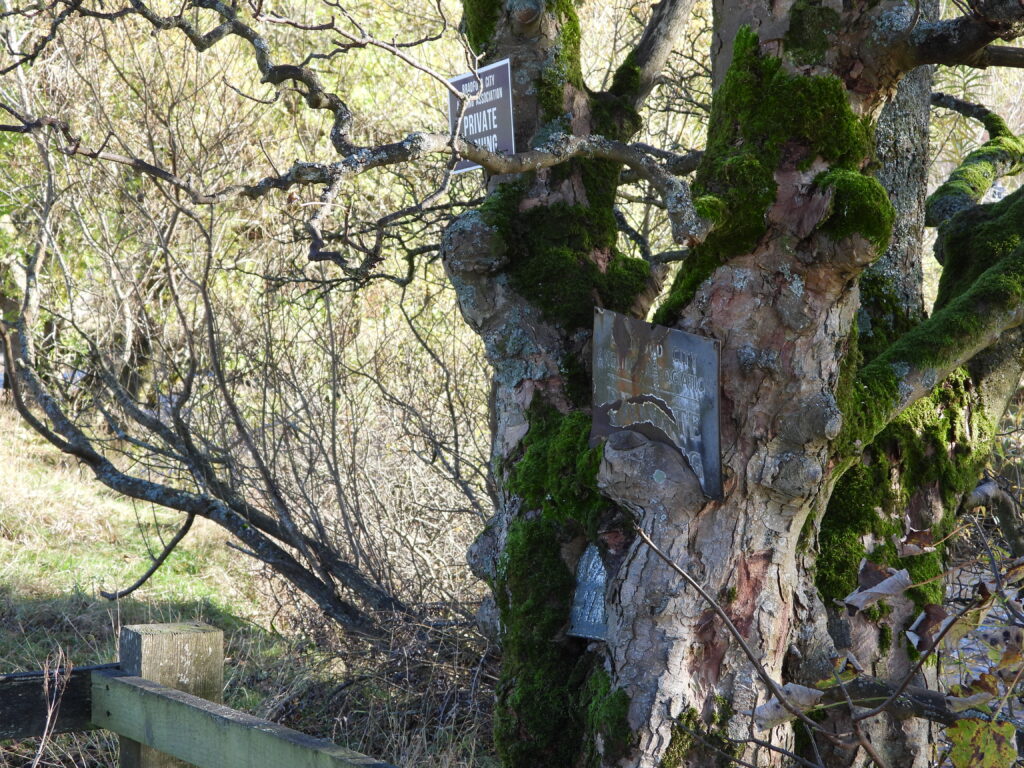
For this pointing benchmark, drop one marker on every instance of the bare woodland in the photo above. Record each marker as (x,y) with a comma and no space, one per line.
(240,281)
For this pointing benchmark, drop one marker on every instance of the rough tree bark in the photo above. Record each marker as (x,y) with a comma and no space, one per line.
(784,282)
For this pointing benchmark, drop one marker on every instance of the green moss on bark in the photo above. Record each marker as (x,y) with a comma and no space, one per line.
(535,722)
(931,345)
(759,111)
(552,252)
(860,205)
(810,26)
(605,714)
(479,20)
(696,742)
(552,699)
(883,316)
(1002,154)
(974,240)
(558,472)
(940,442)
(563,66)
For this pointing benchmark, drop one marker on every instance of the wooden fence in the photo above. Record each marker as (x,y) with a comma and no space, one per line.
(163,700)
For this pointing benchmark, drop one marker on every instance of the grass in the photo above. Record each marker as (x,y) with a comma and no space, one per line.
(63,538)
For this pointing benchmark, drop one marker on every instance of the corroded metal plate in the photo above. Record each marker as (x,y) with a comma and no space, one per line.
(662,383)
(587,617)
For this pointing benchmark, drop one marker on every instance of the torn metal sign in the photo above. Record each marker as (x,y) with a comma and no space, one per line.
(662,383)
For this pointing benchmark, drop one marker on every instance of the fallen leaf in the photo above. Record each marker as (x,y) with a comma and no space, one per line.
(976,743)
(893,586)
(914,543)
(772,713)
(927,627)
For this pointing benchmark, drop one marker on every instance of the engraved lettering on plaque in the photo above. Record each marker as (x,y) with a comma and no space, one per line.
(587,617)
(662,383)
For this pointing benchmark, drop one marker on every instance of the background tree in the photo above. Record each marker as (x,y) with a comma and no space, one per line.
(850,419)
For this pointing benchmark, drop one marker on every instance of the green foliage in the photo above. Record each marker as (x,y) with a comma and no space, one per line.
(759,109)
(977,743)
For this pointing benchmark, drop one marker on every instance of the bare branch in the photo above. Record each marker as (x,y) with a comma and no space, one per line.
(1001,56)
(664,29)
(157,562)
(966,39)
(966,108)
(687,226)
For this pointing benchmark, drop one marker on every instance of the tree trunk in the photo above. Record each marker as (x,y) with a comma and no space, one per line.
(779,283)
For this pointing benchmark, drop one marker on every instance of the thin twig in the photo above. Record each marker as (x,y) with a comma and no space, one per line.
(157,562)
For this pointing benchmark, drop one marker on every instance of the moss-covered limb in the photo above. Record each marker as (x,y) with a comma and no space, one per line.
(558,472)
(757,111)
(916,430)
(994,124)
(1002,155)
(973,240)
(941,442)
(554,699)
(912,366)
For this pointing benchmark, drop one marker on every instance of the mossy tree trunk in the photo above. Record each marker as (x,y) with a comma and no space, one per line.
(816,388)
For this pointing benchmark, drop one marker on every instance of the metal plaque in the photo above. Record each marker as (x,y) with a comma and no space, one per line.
(587,617)
(662,383)
(487,118)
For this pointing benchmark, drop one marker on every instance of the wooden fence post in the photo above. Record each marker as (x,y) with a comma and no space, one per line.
(187,657)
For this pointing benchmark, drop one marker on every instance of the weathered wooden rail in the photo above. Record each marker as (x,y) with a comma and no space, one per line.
(163,699)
